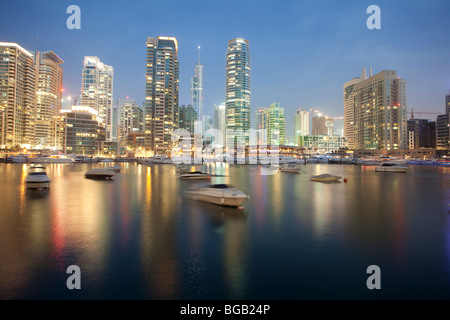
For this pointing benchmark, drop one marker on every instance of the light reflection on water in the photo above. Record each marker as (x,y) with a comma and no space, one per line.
(137,236)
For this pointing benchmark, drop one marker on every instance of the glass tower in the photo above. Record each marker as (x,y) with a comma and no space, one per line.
(237,98)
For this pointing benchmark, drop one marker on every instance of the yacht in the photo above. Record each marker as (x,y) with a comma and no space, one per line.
(99,174)
(52,159)
(21,158)
(290,167)
(195,175)
(37,178)
(326,178)
(391,167)
(220,194)
(115,168)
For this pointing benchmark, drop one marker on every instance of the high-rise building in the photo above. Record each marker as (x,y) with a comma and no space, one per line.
(49,97)
(421,133)
(131,119)
(237,98)
(18,84)
(187,118)
(219,123)
(97,91)
(443,132)
(379,109)
(447,103)
(197,91)
(276,125)
(161,94)
(261,126)
(301,124)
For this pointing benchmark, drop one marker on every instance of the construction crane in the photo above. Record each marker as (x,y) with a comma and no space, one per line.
(412,112)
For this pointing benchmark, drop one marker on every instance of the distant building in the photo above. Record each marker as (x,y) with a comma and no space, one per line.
(237,98)
(97,91)
(322,125)
(197,91)
(323,144)
(276,124)
(421,133)
(161,94)
(219,123)
(377,108)
(84,131)
(301,124)
(131,119)
(187,118)
(18,84)
(261,126)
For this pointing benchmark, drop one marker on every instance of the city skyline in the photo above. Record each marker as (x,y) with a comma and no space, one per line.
(328,44)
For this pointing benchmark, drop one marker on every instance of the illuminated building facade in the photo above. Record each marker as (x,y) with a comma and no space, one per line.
(237,90)
(18,83)
(301,124)
(161,94)
(97,91)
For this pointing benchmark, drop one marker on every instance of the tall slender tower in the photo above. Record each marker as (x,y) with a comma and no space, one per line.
(197,91)
(97,91)
(161,94)
(49,95)
(237,98)
(301,124)
(18,83)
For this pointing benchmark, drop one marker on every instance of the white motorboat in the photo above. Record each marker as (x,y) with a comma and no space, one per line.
(21,158)
(99,174)
(220,194)
(115,168)
(52,159)
(391,167)
(195,175)
(326,178)
(290,167)
(37,178)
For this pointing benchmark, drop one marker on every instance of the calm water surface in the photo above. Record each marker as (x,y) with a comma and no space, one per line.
(138,237)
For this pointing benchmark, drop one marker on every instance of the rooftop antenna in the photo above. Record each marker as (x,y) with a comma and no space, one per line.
(198,54)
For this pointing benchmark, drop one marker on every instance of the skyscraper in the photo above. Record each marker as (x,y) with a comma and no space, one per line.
(261,126)
(219,123)
(49,96)
(447,104)
(161,94)
(276,124)
(197,90)
(18,83)
(379,108)
(322,125)
(237,98)
(301,124)
(97,91)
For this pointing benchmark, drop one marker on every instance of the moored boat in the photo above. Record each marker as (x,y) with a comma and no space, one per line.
(220,194)
(391,167)
(37,178)
(195,175)
(326,178)
(99,174)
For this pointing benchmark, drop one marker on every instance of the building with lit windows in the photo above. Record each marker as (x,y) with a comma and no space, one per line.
(301,125)
(187,118)
(237,93)
(84,131)
(219,124)
(275,124)
(379,109)
(197,92)
(161,94)
(97,91)
(131,119)
(18,84)
(48,97)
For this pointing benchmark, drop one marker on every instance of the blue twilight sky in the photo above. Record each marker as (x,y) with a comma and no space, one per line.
(302,51)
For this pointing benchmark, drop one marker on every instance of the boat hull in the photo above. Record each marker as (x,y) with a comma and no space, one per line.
(38,184)
(399,170)
(221,201)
